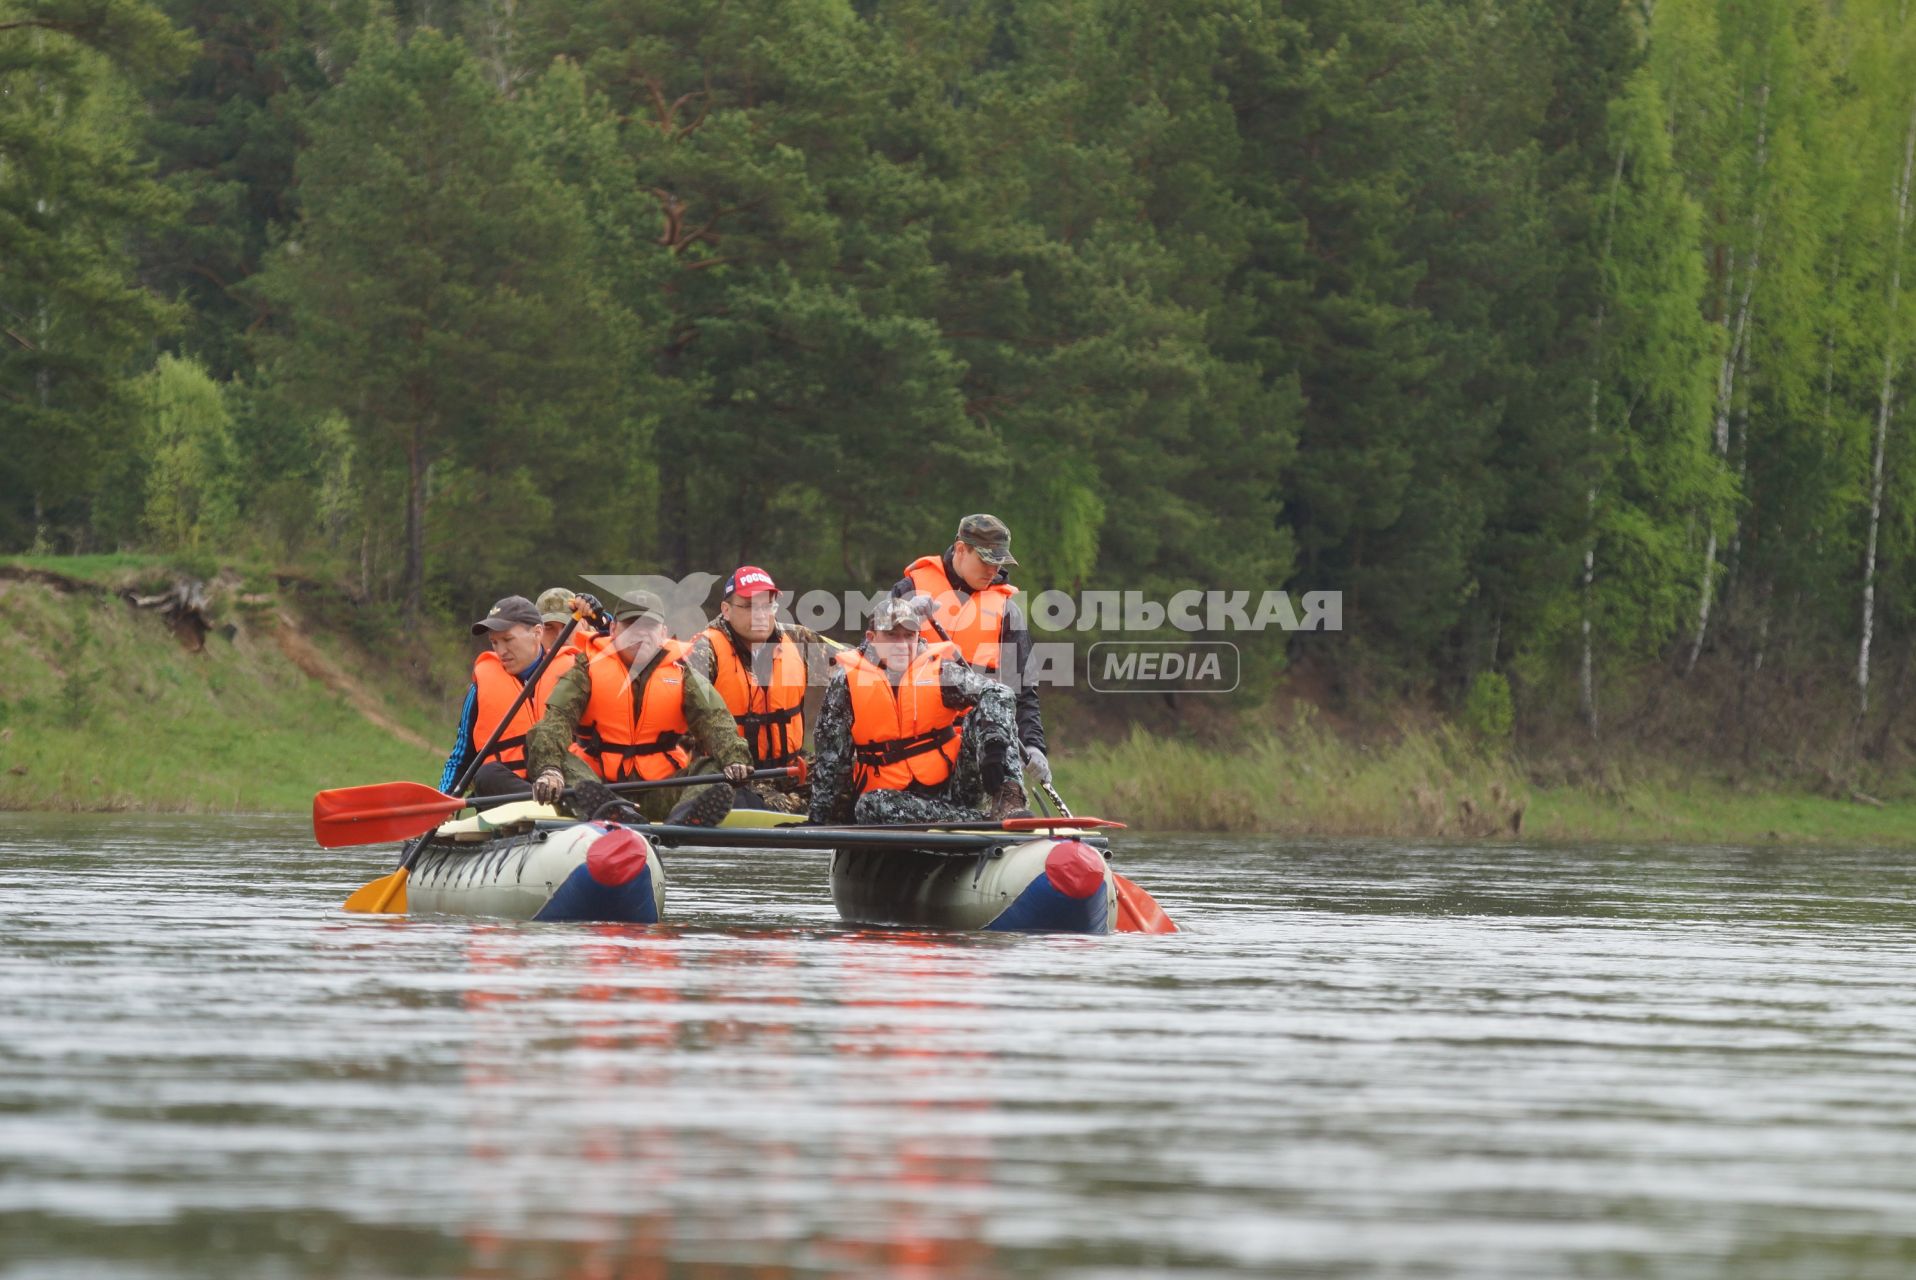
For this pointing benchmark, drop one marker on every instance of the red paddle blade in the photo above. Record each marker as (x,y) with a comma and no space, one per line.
(1046,824)
(379,813)
(1138,911)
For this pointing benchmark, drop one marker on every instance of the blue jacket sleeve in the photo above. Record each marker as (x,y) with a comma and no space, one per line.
(462,748)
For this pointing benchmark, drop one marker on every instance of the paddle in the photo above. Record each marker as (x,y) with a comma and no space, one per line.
(803,837)
(985,824)
(386,811)
(1138,911)
(393,886)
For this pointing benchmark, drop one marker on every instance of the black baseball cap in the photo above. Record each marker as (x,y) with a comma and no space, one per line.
(510,612)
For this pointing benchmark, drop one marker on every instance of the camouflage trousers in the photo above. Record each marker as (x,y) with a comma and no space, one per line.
(655,805)
(990,724)
(767,794)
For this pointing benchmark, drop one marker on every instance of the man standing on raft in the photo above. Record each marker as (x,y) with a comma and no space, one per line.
(971,590)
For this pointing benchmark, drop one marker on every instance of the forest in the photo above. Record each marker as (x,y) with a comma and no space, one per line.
(1565,338)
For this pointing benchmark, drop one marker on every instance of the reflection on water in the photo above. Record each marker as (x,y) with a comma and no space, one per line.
(1360,1058)
(737,1022)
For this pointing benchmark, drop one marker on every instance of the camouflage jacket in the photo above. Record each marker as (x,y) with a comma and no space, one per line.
(711,725)
(1014,633)
(833,791)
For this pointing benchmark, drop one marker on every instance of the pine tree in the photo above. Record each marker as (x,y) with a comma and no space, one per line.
(438,292)
(225,135)
(72,194)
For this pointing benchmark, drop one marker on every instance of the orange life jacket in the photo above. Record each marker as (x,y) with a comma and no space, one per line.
(975,625)
(497,688)
(770,717)
(619,746)
(586,642)
(902,734)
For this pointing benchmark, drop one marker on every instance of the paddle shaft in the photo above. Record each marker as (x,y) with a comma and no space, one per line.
(401,810)
(624,788)
(983,824)
(795,837)
(1051,791)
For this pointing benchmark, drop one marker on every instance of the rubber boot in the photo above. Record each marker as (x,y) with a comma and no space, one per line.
(593,801)
(706,807)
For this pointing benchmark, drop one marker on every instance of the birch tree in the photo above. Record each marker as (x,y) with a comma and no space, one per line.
(1651,402)
(1893,342)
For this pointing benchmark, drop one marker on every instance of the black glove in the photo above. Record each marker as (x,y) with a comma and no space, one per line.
(991,769)
(594,611)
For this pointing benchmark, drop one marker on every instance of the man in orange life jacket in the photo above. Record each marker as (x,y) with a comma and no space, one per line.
(909,732)
(556,608)
(633,708)
(515,645)
(762,668)
(974,597)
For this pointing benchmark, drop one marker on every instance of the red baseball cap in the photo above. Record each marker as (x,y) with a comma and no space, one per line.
(749,580)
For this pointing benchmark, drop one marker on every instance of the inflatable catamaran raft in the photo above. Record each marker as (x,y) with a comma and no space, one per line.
(527,861)
(522,860)
(517,859)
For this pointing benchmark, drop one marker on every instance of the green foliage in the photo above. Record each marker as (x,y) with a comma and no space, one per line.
(1301,779)
(193,483)
(1652,471)
(72,194)
(96,683)
(1431,303)
(438,293)
(1489,715)
(224,136)
(75,701)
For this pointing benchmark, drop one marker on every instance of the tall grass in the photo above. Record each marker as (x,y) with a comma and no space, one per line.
(1302,780)
(1306,781)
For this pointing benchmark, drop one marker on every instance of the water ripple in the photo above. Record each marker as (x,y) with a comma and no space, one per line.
(1360,1058)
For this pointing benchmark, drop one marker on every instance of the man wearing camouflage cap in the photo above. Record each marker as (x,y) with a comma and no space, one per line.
(632,708)
(556,608)
(909,732)
(976,610)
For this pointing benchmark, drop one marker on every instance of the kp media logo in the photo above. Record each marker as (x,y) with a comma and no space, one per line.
(1170,666)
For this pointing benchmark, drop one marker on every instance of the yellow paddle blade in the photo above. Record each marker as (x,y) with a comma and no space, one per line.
(383,896)
(760,818)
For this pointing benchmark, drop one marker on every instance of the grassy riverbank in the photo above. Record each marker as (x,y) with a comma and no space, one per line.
(112,706)
(1306,781)
(107,706)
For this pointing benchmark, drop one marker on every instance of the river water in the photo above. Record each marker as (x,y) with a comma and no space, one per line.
(1358,1059)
